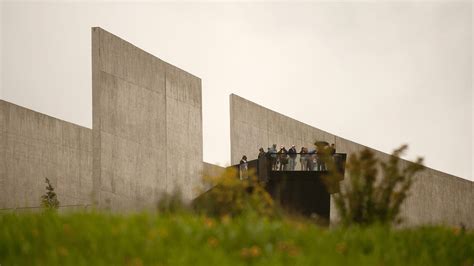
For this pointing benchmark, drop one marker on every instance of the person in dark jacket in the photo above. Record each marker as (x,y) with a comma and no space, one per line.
(273,156)
(333,149)
(243,167)
(261,153)
(311,161)
(292,154)
(283,158)
(303,159)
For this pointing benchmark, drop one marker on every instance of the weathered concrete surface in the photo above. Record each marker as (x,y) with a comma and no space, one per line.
(183,131)
(34,146)
(436,197)
(253,126)
(147,125)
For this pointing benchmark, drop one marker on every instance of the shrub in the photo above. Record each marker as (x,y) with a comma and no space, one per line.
(171,202)
(368,199)
(230,196)
(50,199)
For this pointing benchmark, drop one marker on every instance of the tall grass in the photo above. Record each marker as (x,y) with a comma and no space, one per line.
(185,239)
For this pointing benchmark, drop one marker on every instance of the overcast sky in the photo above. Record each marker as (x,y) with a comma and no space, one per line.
(380,74)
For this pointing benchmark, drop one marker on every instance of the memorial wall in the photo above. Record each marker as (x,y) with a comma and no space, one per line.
(146,137)
(435,197)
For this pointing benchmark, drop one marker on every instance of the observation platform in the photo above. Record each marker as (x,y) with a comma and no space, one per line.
(303,187)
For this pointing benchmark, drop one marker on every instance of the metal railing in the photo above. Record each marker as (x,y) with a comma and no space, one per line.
(302,161)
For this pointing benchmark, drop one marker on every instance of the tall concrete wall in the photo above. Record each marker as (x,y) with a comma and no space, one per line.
(147,123)
(436,197)
(35,146)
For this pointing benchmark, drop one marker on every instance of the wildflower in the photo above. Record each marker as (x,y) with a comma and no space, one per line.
(212,241)
(341,248)
(456,231)
(251,252)
(208,222)
(288,248)
(255,251)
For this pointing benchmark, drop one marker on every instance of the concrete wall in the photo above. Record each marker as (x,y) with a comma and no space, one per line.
(253,126)
(146,137)
(34,146)
(436,197)
(147,123)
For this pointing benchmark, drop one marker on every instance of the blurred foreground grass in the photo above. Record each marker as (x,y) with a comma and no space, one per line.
(185,239)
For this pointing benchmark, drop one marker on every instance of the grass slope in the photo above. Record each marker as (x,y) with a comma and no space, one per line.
(184,239)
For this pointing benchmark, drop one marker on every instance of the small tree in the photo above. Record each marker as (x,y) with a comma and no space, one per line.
(50,199)
(368,199)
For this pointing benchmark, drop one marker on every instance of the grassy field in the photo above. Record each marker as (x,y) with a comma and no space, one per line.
(185,239)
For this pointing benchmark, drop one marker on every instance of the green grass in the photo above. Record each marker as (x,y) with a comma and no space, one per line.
(185,239)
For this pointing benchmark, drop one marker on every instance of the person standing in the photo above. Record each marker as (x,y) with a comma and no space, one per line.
(318,159)
(303,159)
(261,153)
(243,168)
(283,158)
(292,158)
(311,160)
(273,156)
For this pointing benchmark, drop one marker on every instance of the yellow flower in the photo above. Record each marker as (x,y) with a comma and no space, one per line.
(288,248)
(255,251)
(212,241)
(251,252)
(456,231)
(341,248)
(208,222)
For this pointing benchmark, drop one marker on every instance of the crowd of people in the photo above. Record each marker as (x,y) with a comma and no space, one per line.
(286,160)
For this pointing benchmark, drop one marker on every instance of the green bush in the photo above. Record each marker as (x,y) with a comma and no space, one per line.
(172,203)
(231,196)
(369,199)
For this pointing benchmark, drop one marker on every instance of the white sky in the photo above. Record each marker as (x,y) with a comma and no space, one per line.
(380,74)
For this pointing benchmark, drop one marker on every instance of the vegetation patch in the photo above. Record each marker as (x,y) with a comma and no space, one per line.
(49,238)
